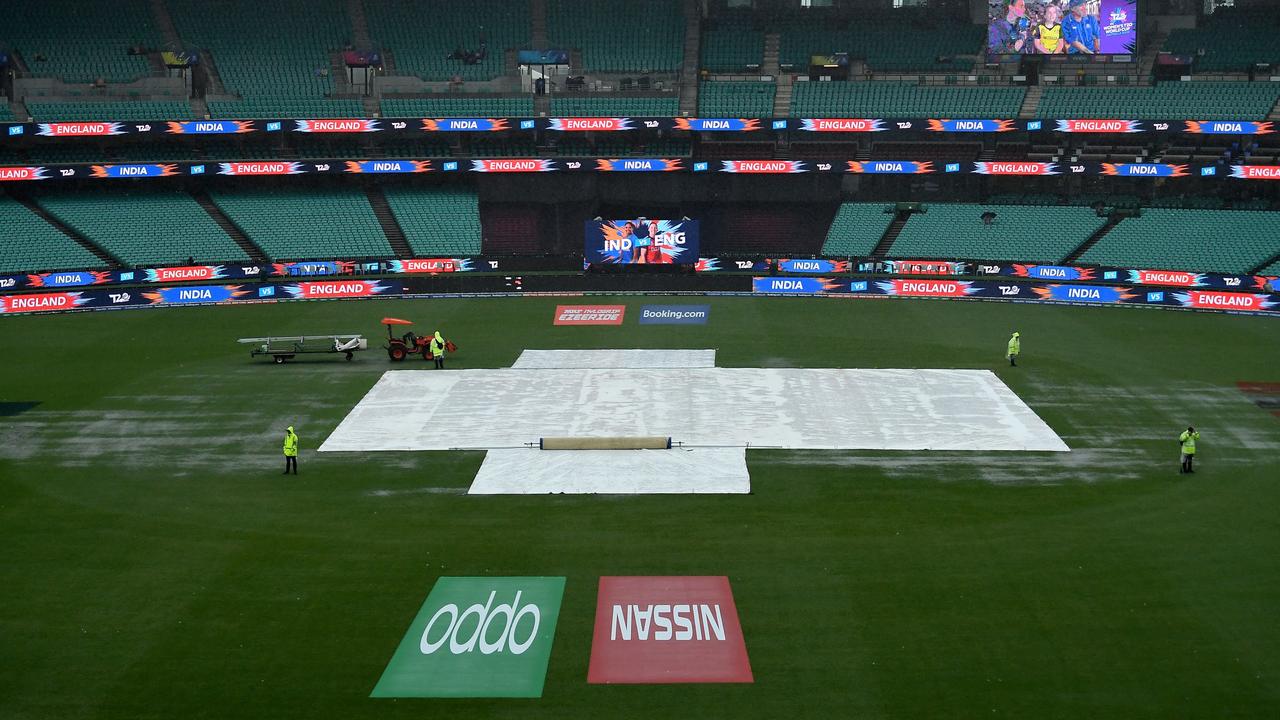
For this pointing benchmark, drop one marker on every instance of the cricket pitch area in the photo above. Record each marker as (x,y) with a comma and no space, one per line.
(713,415)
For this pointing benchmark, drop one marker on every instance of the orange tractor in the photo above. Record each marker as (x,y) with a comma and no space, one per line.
(399,348)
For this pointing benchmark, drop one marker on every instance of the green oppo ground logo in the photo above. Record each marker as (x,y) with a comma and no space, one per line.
(477,637)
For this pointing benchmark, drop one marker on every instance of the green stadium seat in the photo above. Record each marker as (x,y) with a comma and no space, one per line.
(422,41)
(1227,241)
(269,52)
(731,44)
(437,221)
(1165,101)
(1038,234)
(616,106)
(892,43)
(152,227)
(1229,40)
(619,35)
(472,106)
(736,99)
(857,228)
(82,41)
(109,110)
(29,244)
(884,99)
(302,224)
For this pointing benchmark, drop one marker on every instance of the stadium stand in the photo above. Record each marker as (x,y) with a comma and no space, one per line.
(1023,233)
(81,42)
(284,107)
(1165,101)
(736,99)
(277,61)
(149,227)
(438,221)
(1229,40)
(90,111)
(731,44)
(1272,270)
(857,228)
(1229,241)
(894,43)
(301,224)
(476,106)
(631,106)
(29,244)
(6,113)
(884,99)
(619,35)
(422,41)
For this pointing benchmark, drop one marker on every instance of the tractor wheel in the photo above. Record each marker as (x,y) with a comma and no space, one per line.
(279,359)
(349,356)
(396,353)
(426,354)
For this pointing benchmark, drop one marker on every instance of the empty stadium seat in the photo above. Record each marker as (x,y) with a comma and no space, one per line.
(892,43)
(1229,241)
(148,227)
(884,99)
(266,52)
(284,107)
(81,41)
(301,224)
(1042,234)
(109,110)
(1229,40)
(421,41)
(473,106)
(29,244)
(437,221)
(619,35)
(586,106)
(857,228)
(731,44)
(736,99)
(1165,101)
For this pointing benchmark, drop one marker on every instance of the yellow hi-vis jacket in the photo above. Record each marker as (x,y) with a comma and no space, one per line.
(1015,345)
(1188,440)
(290,444)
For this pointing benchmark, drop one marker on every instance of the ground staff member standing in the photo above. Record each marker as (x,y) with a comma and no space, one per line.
(1015,347)
(437,349)
(1187,442)
(290,451)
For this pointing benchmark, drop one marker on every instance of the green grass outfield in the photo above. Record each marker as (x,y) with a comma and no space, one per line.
(156,564)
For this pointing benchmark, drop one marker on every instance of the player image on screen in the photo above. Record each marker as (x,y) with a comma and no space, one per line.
(641,242)
(1055,27)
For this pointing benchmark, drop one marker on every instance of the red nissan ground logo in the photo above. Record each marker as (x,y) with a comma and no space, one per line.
(652,630)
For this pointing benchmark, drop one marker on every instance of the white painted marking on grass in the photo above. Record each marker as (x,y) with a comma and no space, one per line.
(810,409)
(621,472)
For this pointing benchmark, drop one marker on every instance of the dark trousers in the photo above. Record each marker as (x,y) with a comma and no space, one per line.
(439,361)
(290,461)
(1187,462)
(1013,360)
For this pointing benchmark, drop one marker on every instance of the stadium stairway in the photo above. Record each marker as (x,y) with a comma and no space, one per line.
(164,23)
(1092,240)
(359,24)
(692,51)
(1268,263)
(1030,102)
(782,96)
(1147,62)
(249,247)
(387,219)
(99,252)
(770,64)
(891,233)
(538,23)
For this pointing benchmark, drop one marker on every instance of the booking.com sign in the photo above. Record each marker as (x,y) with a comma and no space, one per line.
(477,637)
